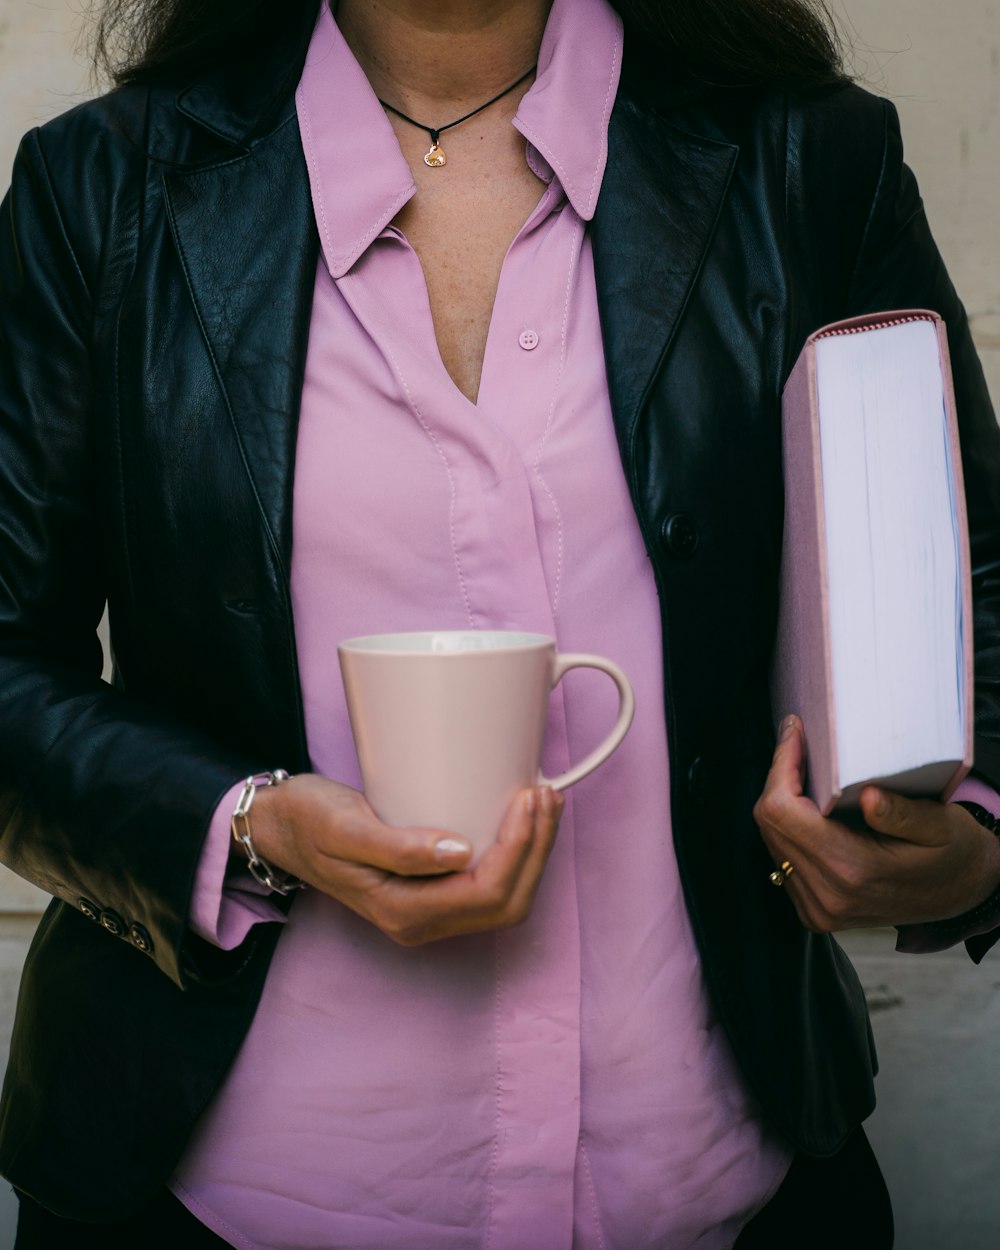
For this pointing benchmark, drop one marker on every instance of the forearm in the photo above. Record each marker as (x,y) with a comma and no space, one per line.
(227,901)
(979,926)
(103,800)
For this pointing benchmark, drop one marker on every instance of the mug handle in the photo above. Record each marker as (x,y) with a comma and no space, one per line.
(626,710)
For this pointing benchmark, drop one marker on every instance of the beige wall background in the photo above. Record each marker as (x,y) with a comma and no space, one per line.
(940,64)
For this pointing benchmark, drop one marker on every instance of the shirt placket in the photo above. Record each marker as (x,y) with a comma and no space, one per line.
(538,965)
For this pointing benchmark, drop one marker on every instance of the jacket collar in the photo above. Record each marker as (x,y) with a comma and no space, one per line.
(244,100)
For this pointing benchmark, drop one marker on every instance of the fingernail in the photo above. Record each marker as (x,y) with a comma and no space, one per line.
(449,850)
(787,725)
(531,801)
(881,804)
(548,801)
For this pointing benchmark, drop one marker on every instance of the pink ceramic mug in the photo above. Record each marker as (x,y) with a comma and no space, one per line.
(448,725)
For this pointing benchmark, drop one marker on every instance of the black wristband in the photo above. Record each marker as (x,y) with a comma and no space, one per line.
(985,818)
(989,908)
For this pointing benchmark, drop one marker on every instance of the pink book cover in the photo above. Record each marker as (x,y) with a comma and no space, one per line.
(802,675)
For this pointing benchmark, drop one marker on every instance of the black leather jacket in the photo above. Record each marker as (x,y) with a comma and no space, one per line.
(157,259)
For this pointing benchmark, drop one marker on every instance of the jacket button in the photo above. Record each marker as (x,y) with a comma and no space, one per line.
(89,909)
(113,923)
(680,535)
(698,780)
(140,939)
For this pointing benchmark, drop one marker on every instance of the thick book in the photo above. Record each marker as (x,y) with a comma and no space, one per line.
(874,641)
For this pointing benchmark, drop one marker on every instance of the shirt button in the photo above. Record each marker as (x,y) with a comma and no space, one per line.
(528,339)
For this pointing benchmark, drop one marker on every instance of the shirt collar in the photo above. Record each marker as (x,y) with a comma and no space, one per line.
(565,114)
(358,176)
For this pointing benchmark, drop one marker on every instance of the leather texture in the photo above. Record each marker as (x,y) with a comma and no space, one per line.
(157,256)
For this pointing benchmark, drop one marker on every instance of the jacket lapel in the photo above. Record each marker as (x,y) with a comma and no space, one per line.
(248,245)
(660,200)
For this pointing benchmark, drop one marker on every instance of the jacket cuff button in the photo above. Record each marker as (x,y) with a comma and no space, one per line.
(89,909)
(113,923)
(138,935)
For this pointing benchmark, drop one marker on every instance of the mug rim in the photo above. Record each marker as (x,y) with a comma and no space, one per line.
(408,645)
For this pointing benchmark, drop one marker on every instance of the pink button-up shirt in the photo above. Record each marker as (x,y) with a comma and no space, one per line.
(564,1084)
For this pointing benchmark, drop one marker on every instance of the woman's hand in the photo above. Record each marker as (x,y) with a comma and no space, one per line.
(917,860)
(404,880)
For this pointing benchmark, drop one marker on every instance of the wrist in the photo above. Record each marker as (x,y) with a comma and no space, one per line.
(987,907)
(991,859)
(982,815)
(271,827)
(260,831)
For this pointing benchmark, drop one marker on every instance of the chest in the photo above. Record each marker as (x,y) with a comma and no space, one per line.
(461,223)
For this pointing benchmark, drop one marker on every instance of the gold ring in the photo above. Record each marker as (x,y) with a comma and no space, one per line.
(781,875)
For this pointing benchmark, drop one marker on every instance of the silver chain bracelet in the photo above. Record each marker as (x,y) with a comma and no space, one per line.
(280,883)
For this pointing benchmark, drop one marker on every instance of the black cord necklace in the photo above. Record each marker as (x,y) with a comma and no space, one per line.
(435,157)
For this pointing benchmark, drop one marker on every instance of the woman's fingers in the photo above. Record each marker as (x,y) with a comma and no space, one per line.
(895,816)
(405,880)
(912,860)
(788,765)
(496,894)
(409,852)
(315,821)
(551,803)
(783,813)
(830,860)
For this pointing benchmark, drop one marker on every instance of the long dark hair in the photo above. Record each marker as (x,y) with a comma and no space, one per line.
(786,43)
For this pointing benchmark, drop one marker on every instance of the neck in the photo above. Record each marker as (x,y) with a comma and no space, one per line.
(435,56)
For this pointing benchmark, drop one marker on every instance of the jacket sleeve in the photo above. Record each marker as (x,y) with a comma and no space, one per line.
(103,802)
(899,266)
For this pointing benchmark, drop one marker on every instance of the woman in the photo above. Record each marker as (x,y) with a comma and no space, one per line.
(278,374)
